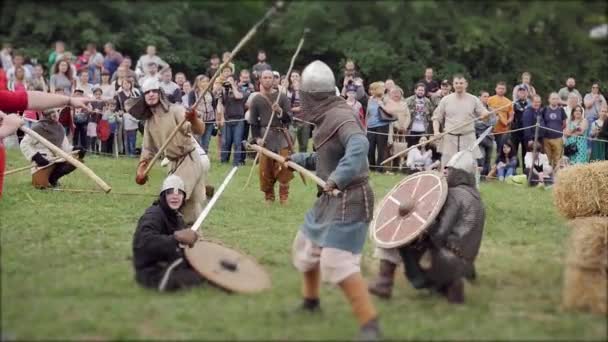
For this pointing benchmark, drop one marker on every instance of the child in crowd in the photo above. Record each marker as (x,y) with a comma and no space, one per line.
(421,158)
(109,123)
(538,164)
(506,163)
(598,148)
(94,118)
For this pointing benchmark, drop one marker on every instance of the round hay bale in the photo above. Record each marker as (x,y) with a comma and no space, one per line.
(588,244)
(585,290)
(582,190)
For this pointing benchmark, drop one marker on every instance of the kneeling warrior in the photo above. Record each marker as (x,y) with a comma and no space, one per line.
(161,117)
(157,257)
(46,172)
(330,241)
(446,253)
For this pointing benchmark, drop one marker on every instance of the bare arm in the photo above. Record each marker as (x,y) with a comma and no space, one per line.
(38,100)
(9,124)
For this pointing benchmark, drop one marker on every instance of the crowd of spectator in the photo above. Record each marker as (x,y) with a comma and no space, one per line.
(571,130)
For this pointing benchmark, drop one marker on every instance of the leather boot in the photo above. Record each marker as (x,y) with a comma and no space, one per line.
(454,292)
(283,193)
(383,286)
(269,197)
(209,191)
(370,331)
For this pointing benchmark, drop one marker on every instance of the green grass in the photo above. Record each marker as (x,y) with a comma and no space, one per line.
(66,269)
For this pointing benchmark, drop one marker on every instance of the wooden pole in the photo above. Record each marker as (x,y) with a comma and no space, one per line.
(87,191)
(236,49)
(51,162)
(292,165)
(103,185)
(534,156)
(281,90)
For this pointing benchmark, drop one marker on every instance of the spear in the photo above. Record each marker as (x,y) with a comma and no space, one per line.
(236,49)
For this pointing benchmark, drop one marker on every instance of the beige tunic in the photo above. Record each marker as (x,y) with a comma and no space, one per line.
(181,151)
(454,110)
(30,146)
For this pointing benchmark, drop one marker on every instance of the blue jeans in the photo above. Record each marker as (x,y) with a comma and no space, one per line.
(505,172)
(206,137)
(131,140)
(232,134)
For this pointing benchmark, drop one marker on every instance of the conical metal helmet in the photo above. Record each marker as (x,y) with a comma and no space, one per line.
(173,183)
(317,77)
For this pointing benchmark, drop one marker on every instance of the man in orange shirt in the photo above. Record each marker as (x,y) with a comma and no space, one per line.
(503,107)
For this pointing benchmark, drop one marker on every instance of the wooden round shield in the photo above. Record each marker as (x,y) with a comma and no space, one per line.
(408,209)
(227,268)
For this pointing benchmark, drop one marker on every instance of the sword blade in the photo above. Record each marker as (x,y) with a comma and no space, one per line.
(480,139)
(199,221)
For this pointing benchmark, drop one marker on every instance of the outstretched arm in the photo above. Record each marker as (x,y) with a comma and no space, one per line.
(353,163)
(306,160)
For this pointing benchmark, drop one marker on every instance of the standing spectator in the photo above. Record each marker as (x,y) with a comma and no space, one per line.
(246,86)
(108,127)
(260,66)
(569,88)
(205,108)
(576,135)
(276,80)
(106,87)
(430,85)
(351,100)
(151,72)
(56,55)
(82,61)
(38,81)
(529,118)
(93,120)
(594,101)
(18,81)
(377,129)
(487,144)
(214,64)
(170,88)
(503,108)
(6,56)
(225,58)
(129,123)
(82,83)
(95,70)
(554,119)
(18,61)
(538,164)
(231,116)
(389,85)
(350,71)
(395,105)
(517,138)
(80,119)
(506,163)
(186,90)
(112,59)
(526,78)
(573,101)
(149,57)
(598,148)
(128,72)
(62,79)
(421,111)
(119,76)
(180,80)
(444,91)
(302,130)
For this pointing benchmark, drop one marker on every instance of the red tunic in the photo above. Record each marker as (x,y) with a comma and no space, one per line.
(10,102)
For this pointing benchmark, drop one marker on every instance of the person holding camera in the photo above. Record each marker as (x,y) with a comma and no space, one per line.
(231,116)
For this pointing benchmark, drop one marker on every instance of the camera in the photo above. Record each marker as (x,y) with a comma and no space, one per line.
(350,82)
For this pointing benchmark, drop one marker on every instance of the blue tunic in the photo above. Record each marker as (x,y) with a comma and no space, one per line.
(341,222)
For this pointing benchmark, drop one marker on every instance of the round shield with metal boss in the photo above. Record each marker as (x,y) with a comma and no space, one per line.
(227,268)
(409,209)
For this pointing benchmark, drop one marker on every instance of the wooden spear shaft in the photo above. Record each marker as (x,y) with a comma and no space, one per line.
(51,162)
(292,165)
(58,151)
(236,49)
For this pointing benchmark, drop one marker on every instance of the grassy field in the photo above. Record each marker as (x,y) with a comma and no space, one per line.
(67,274)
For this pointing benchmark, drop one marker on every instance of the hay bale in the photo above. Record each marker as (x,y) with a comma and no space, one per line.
(585,290)
(588,244)
(582,190)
